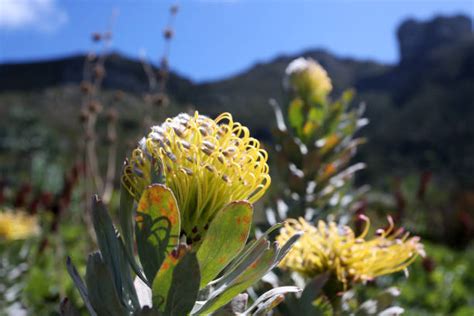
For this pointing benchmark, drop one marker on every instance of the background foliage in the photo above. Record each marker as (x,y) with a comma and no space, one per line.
(420,153)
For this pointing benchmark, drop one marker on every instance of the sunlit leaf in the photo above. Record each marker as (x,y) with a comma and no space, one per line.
(184,287)
(253,273)
(225,238)
(157,229)
(163,279)
(102,293)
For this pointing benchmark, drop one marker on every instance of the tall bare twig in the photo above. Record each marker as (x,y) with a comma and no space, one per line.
(157,81)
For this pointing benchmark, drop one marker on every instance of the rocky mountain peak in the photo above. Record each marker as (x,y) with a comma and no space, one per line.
(418,38)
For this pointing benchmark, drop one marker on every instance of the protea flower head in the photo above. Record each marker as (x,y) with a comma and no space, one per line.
(17,225)
(206,163)
(328,247)
(308,78)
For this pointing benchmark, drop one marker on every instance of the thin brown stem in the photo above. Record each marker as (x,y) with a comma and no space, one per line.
(111,162)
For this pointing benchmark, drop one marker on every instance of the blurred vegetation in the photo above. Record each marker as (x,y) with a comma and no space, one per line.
(441,284)
(420,154)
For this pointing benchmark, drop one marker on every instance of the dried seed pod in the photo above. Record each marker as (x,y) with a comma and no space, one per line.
(112,115)
(164,63)
(83,116)
(119,95)
(91,57)
(94,106)
(168,33)
(89,135)
(160,99)
(99,71)
(162,74)
(96,37)
(174,9)
(111,138)
(86,87)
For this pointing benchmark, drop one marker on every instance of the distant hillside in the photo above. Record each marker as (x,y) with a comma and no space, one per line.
(122,74)
(421,109)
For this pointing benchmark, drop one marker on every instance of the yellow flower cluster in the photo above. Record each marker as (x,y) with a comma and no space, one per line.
(17,225)
(206,163)
(328,247)
(308,78)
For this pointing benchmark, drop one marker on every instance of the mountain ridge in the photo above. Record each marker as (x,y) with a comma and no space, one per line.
(421,109)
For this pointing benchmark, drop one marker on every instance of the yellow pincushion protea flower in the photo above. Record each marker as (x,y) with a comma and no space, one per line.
(308,78)
(17,225)
(336,249)
(206,163)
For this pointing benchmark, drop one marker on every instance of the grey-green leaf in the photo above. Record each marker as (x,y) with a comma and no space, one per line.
(184,288)
(100,286)
(108,243)
(76,278)
(126,217)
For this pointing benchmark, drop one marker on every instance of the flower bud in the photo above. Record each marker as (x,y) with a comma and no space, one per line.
(308,79)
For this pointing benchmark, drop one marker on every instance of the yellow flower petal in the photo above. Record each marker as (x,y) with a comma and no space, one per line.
(206,163)
(17,225)
(350,258)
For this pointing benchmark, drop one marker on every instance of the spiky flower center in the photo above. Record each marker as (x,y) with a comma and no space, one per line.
(329,247)
(206,163)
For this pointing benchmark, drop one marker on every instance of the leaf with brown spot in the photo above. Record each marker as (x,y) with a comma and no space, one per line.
(157,229)
(226,237)
(163,279)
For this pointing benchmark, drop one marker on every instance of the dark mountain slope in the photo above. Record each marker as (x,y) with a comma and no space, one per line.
(421,109)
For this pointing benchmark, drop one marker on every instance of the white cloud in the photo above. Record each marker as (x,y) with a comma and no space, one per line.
(43,15)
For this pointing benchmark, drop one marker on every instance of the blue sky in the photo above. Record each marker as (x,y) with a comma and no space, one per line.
(214,38)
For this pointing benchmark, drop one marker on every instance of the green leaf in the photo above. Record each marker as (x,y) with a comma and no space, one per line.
(163,278)
(269,296)
(244,261)
(316,114)
(295,114)
(147,311)
(100,286)
(323,307)
(287,247)
(226,237)
(314,120)
(184,287)
(253,273)
(348,95)
(126,217)
(76,278)
(310,293)
(67,309)
(129,292)
(235,307)
(265,307)
(134,265)
(158,227)
(249,248)
(108,243)
(386,298)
